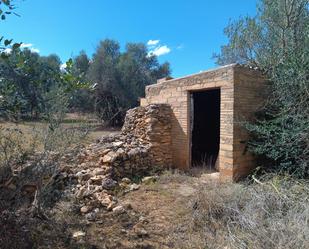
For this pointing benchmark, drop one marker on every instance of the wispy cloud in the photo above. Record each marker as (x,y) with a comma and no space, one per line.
(153,42)
(180,47)
(160,50)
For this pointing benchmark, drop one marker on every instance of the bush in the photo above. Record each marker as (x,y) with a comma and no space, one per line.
(276,41)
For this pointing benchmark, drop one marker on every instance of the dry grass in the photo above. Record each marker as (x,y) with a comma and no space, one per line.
(269,214)
(27,132)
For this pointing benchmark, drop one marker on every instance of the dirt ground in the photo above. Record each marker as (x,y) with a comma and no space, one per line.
(154,215)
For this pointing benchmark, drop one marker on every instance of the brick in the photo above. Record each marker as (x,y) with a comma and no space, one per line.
(242,91)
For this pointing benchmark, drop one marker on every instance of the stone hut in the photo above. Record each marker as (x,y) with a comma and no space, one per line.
(208,110)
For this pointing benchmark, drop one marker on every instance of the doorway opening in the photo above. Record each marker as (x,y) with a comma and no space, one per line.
(205,128)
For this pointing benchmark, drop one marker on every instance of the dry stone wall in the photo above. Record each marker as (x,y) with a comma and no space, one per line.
(143,145)
(115,161)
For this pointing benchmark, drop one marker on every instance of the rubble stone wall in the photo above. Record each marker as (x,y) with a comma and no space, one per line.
(142,147)
(152,124)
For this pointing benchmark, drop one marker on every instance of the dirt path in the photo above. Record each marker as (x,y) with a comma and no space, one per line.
(153,213)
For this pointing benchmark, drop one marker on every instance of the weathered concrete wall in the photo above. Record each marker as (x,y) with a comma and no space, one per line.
(239,97)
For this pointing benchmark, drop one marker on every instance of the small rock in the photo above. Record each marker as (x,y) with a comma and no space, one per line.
(143,220)
(98,171)
(120,151)
(134,187)
(104,199)
(106,151)
(126,180)
(118,210)
(109,157)
(109,184)
(96,180)
(78,234)
(91,216)
(84,209)
(81,193)
(111,206)
(133,152)
(149,179)
(117,144)
(82,176)
(140,230)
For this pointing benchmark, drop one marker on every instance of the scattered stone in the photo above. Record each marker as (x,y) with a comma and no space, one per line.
(83,176)
(78,234)
(117,144)
(149,179)
(142,147)
(110,157)
(126,180)
(139,230)
(97,180)
(104,199)
(81,193)
(84,209)
(111,206)
(109,184)
(119,209)
(91,216)
(134,187)
(143,220)
(98,171)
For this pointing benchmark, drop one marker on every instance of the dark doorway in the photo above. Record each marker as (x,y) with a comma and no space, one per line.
(205,125)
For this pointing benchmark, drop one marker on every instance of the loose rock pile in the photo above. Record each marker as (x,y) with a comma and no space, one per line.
(142,148)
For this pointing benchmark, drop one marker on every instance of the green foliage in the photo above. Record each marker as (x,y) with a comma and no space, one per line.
(277,42)
(120,78)
(27,79)
(7,8)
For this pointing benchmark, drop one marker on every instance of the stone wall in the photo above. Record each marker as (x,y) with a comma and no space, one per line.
(151,124)
(142,147)
(240,88)
(114,162)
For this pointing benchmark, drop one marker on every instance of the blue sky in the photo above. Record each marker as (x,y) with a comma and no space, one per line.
(188,31)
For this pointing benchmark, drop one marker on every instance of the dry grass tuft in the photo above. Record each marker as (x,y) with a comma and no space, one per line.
(273,213)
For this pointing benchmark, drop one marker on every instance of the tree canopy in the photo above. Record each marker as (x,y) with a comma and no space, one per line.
(118,78)
(277,42)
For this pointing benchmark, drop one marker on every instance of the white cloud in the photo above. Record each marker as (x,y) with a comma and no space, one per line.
(7,50)
(160,50)
(34,50)
(156,48)
(63,66)
(153,42)
(30,46)
(26,45)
